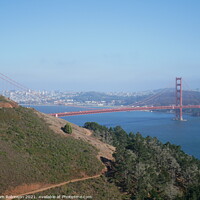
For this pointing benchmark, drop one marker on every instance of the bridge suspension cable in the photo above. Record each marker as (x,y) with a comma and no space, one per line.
(191,92)
(151,97)
(12,82)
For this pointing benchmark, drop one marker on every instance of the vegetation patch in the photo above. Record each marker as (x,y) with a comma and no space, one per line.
(67,128)
(145,168)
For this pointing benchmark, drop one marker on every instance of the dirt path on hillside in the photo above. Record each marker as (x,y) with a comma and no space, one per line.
(13,196)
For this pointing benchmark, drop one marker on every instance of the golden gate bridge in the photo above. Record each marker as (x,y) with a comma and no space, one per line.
(178,107)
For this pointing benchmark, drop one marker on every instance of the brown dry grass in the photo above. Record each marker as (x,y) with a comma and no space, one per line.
(7,103)
(105,150)
(26,188)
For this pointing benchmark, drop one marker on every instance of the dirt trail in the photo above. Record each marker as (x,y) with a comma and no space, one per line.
(53,186)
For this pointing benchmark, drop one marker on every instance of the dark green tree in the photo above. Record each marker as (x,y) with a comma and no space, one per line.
(67,128)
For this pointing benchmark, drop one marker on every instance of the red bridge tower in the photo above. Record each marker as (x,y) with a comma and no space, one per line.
(179,99)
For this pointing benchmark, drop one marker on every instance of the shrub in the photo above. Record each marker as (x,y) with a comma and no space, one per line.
(67,128)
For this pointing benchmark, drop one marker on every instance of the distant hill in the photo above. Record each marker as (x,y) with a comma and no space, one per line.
(165,98)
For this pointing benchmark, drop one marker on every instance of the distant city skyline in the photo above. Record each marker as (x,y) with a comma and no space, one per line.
(100,45)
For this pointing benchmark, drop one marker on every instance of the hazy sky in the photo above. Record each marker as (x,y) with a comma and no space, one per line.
(101,45)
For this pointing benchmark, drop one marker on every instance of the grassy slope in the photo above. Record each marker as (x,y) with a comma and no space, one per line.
(30,152)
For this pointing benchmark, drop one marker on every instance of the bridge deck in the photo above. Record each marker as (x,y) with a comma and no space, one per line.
(86,112)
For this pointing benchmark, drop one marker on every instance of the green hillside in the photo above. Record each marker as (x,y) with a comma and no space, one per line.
(30,152)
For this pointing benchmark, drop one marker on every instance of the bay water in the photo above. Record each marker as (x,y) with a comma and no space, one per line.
(154,124)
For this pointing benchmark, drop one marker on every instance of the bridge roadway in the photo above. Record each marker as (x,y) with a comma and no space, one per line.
(86,112)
